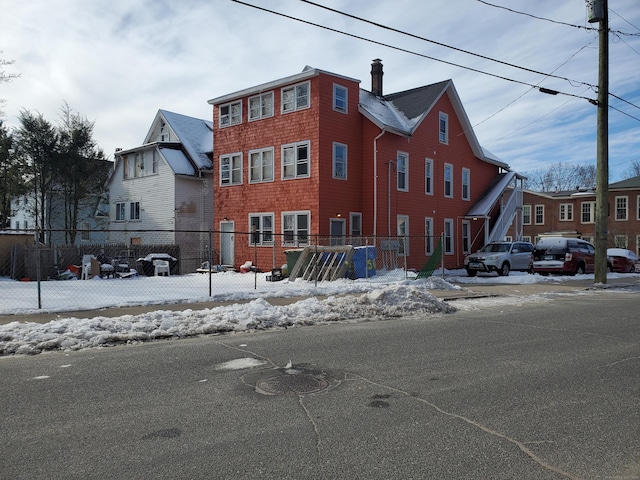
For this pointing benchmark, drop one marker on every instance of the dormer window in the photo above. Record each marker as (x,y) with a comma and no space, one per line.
(230,114)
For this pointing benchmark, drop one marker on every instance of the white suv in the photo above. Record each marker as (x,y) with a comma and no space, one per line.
(501,257)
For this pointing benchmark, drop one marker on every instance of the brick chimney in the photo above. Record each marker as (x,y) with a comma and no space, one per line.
(376,77)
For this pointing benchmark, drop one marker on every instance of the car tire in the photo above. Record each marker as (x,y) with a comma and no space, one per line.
(504,270)
(580,269)
(609,268)
(472,273)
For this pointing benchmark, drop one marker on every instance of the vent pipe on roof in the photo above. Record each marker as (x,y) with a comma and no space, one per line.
(376,77)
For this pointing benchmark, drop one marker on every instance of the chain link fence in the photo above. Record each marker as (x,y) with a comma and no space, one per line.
(187,266)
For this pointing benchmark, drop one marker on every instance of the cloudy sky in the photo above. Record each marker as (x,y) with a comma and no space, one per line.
(118,61)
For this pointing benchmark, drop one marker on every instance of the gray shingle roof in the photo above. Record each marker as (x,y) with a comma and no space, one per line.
(196,136)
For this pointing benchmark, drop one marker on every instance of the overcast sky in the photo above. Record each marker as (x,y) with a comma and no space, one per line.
(118,61)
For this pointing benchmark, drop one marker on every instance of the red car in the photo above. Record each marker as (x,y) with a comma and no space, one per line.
(621,260)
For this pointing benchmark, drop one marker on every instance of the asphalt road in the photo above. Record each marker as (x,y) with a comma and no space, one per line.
(547,390)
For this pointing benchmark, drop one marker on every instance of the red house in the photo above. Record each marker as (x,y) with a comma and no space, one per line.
(314,159)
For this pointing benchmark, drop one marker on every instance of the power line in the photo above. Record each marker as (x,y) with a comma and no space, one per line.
(358,37)
(559,23)
(445,45)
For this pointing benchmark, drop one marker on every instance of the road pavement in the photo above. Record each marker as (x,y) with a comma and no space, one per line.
(543,390)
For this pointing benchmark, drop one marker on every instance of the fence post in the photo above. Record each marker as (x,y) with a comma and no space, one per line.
(442,253)
(38,268)
(316,260)
(255,264)
(210,259)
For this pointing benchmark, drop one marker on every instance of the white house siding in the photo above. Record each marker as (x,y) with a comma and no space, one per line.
(156,195)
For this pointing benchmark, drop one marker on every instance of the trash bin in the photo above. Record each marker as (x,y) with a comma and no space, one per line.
(292,257)
(363,264)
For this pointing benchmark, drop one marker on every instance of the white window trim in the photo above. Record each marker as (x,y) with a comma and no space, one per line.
(638,210)
(336,88)
(230,117)
(526,207)
(626,208)
(428,162)
(262,151)
(333,161)
(468,184)
(121,207)
(568,212)
(406,171)
(535,214)
(443,116)
(428,235)
(295,148)
(261,98)
(262,215)
(447,166)
(465,223)
(295,234)
(451,249)
(592,212)
(295,97)
(231,182)
(404,250)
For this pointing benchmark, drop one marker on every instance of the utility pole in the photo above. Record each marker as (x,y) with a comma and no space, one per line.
(599,12)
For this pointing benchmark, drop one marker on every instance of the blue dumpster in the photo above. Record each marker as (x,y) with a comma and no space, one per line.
(364,262)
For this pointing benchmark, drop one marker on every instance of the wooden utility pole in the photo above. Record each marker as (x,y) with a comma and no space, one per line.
(598,12)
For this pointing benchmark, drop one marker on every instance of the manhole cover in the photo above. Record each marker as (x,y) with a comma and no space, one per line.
(295,384)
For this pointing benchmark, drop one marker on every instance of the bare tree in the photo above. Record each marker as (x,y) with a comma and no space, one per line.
(5,77)
(561,177)
(633,170)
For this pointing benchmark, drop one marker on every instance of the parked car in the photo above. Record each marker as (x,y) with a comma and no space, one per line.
(562,255)
(621,260)
(501,257)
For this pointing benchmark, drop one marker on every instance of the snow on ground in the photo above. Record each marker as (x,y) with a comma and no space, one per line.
(387,295)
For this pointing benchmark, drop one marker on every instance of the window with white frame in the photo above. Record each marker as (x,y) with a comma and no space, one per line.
(295,160)
(295,228)
(295,97)
(443,128)
(428,236)
(340,98)
(231,169)
(526,214)
(231,114)
(588,212)
(261,225)
(154,162)
(638,207)
(539,214)
(621,208)
(466,180)
(466,236)
(448,236)
(403,232)
(261,106)
(448,180)
(339,161)
(134,211)
(121,212)
(261,165)
(621,241)
(428,176)
(566,212)
(402,172)
(85,231)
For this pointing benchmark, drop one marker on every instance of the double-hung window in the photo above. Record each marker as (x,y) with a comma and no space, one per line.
(443,128)
(428,176)
(261,165)
(295,160)
(340,98)
(539,214)
(339,161)
(448,180)
(588,212)
(621,208)
(231,169)
(403,233)
(261,106)
(295,228)
(466,180)
(428,236)
(230,114)
(448,236)
(295,97)
(261,228)
(566,212)
(402,172)
(526,214)
(121,212)
(134,211)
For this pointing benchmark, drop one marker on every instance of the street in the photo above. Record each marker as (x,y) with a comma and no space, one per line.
(546,390)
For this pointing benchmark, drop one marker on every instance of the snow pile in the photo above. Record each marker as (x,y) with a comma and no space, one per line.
(403,298)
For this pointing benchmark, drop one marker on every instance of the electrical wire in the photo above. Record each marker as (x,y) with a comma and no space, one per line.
(358,37)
